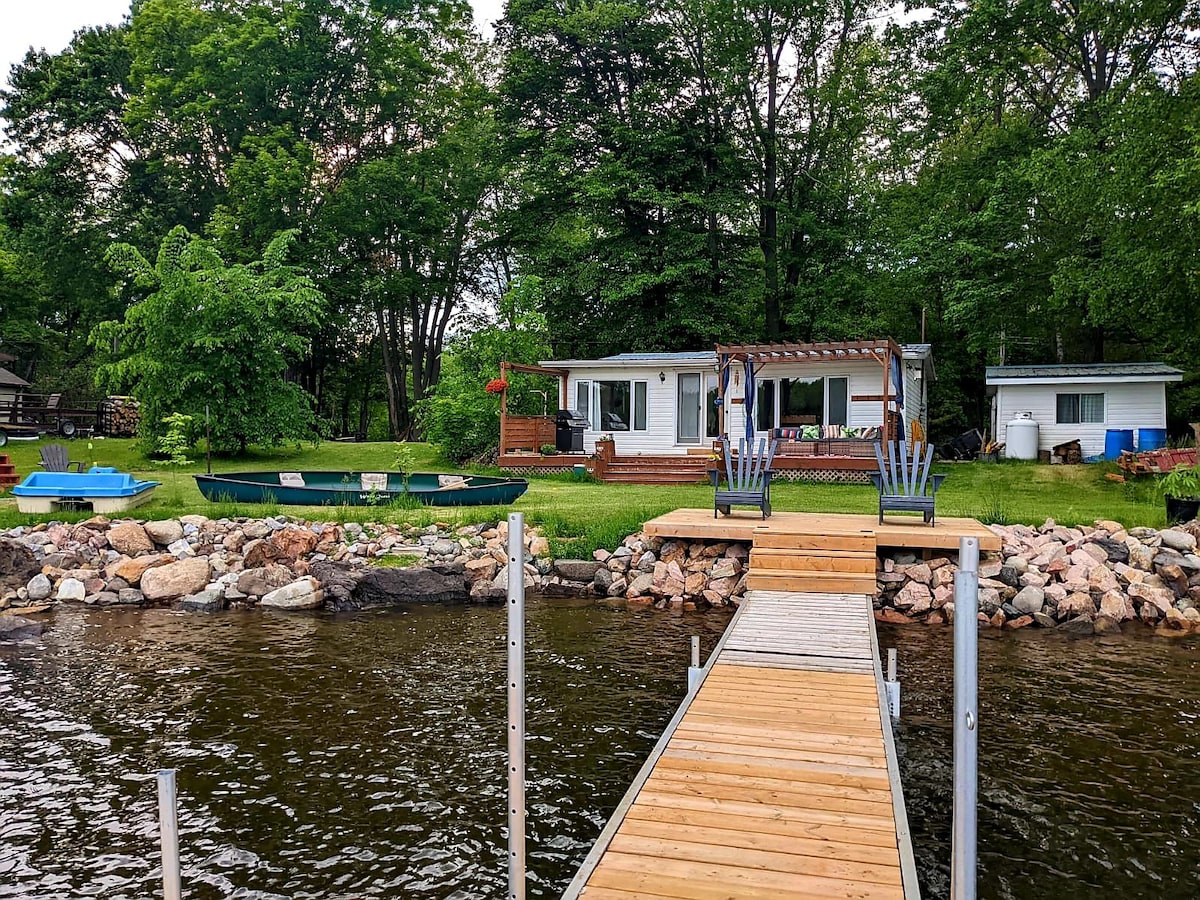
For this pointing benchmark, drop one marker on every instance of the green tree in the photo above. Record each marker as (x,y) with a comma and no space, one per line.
(207,333)
(461,417)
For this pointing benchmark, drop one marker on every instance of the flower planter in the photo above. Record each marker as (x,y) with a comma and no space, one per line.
(1182,509)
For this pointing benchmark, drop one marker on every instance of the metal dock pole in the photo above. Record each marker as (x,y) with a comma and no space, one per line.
(966,710)
(516,706)
(892,685)
(168,825)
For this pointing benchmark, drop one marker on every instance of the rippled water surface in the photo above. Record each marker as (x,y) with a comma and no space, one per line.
(1089,762)
(363,756)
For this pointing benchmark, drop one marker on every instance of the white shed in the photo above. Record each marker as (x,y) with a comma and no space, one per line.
(1080,402)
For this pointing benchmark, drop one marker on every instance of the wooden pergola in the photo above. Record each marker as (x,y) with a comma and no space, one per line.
(528,432)
(759,355)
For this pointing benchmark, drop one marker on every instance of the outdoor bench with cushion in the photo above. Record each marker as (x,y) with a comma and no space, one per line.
(827,440)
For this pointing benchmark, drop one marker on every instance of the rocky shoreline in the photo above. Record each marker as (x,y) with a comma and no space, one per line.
(1081,580)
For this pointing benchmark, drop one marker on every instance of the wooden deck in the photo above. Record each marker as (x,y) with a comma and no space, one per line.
(895,532)
(777,778)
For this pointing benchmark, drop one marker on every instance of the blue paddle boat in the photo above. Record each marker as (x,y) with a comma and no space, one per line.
(104,489)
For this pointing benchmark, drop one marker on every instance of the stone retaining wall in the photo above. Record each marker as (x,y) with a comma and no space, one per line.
(1083,580)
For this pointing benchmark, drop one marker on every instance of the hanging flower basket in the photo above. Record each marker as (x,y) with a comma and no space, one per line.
(496,386)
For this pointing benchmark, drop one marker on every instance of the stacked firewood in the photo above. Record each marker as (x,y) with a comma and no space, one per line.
(122,415)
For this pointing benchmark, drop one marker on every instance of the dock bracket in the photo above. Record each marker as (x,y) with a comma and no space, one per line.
(695,671)
(892,685)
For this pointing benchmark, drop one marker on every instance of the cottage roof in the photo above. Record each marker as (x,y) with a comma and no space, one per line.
(687,357)
(1139,371)
(8,379)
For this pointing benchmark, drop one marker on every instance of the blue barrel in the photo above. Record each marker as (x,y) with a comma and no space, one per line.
(1151,438)
(1116,440)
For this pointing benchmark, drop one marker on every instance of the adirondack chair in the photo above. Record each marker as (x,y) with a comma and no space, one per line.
(904,481)
(748,480)
(57,458)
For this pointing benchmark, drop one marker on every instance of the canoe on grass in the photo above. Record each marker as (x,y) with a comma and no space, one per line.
(359,488)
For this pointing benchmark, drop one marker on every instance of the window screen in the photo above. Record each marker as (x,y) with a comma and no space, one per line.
(839,402)
(639,406)
(583,401)
(1079,409)
(764,406)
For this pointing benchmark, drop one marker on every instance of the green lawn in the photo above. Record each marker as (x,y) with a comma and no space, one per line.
(581,516)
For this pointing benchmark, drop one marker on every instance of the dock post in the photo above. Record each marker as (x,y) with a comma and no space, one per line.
(892,685)
(516,706)
(168,828)
(695,671)
(966,708)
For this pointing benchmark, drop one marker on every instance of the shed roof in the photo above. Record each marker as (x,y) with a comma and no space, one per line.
(8,379)
(1140,371)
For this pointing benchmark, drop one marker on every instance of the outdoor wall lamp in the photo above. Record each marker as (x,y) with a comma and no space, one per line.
(662,377)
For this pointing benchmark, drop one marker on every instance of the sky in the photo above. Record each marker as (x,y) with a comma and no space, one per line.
(50,24)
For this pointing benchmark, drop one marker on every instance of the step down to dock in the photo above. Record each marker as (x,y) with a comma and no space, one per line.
(804,562)
(8,474)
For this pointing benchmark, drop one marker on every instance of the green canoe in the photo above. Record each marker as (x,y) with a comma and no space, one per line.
(359,488)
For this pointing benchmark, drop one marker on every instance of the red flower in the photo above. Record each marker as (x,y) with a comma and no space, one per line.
(496,386)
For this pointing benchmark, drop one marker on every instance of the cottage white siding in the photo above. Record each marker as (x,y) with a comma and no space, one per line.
(1126,405)
(659,436)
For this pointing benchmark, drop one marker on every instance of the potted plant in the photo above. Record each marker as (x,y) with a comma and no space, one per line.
(548,450)
(1181,491)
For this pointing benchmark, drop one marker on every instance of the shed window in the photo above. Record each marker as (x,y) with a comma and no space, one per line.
(1080,409)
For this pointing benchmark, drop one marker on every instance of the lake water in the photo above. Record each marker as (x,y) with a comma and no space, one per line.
(363,756)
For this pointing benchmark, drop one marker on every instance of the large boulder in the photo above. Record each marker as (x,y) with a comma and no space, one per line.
(260,581)
(132,570)
(1029,600)
(71,589)
(130,538)
(305,593)
(16,628)
(293,543)
(17,564)
(577,569)
(175,580)
(362,587)
(164,531)
(39,588)
(1179,540)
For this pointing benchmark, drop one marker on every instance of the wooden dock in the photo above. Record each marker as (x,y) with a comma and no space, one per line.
(777,777)
(896,532)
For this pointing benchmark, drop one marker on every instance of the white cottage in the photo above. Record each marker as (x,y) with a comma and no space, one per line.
(1080,402)
(827,403)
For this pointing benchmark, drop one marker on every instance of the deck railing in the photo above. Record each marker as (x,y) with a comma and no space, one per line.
(526,433)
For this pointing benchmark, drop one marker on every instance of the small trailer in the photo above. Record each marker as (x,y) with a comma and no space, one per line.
(28,415)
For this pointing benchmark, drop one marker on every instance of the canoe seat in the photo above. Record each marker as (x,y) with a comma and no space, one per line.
(291,479)
(450,482)
(373,481)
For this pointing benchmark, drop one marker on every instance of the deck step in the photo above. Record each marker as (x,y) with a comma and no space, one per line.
(810,582)
(812,561)
(809,563)
(8,472)
(657,470)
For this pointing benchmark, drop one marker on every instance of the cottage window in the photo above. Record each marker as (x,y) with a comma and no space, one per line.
(802,401)
(613,405)
(1080,409)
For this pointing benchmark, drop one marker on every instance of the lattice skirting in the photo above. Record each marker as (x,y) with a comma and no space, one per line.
(537,470)
(823,476)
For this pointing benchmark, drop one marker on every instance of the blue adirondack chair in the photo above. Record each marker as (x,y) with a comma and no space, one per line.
(747,479)
(904,481)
